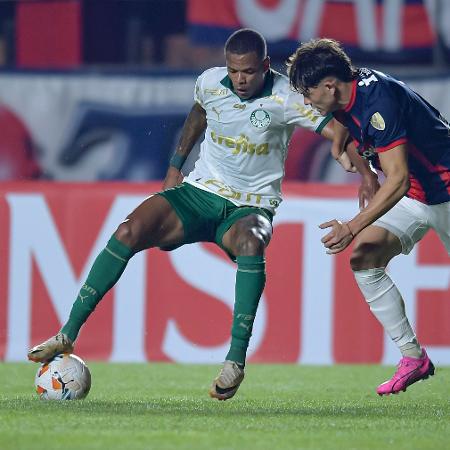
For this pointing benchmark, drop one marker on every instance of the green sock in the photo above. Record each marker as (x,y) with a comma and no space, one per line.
(106,270)
(250,281)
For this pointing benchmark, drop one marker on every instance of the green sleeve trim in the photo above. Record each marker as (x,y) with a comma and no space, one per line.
(323,124)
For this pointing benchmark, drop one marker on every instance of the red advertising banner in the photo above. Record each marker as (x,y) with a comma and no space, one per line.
(384,30)
(177,306)
(49,34)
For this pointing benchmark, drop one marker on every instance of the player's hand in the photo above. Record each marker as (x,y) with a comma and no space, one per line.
(338,238)
(344,160)
(341,156)
(367,189)
(173,178)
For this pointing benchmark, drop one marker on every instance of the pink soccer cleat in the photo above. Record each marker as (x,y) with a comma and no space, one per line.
(409,370)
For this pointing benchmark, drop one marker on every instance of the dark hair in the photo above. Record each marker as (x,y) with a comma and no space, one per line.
(317,59)
(245,41)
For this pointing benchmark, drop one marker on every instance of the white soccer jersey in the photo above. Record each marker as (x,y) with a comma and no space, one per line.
(243,154)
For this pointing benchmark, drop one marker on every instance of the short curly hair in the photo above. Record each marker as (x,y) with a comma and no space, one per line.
(245,41)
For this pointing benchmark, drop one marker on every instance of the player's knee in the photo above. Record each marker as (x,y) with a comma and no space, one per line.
(366,255)
(251,243)
(129,233)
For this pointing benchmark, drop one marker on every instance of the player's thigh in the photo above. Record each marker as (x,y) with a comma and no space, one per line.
(374,247)
(248,235)
(395,232)
(153,223)
(440,221)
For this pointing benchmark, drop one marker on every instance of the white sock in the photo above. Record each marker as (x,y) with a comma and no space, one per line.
(387,305)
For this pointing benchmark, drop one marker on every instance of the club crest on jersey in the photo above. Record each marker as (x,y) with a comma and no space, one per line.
(260,118)
(377,121)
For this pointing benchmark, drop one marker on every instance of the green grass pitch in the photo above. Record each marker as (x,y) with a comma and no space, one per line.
(166,406)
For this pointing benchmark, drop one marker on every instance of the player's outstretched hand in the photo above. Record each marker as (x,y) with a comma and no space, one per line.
(173,178)
(338,238)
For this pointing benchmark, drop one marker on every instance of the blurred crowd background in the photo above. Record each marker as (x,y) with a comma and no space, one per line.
(96,90)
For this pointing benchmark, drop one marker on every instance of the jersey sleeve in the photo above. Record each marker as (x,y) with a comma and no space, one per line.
(301,115)
(386,126)
(198,91)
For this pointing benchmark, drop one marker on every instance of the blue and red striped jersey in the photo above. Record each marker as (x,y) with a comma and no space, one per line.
(383,113)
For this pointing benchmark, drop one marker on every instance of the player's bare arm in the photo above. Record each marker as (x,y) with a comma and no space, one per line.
(395,167)
(194,125)
(340,139)
(369,177)
(344,152)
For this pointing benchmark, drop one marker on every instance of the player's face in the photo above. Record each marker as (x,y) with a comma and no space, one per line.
(322,97)
(247,73)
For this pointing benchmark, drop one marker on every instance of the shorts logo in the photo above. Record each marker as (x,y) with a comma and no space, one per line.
(260,118)
(377,121)
(367,152)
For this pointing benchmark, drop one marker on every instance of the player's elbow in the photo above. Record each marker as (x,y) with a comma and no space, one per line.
(399,182)
(403,183)
(407,185)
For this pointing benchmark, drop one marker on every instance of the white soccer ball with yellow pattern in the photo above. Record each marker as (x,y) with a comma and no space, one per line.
(65,377)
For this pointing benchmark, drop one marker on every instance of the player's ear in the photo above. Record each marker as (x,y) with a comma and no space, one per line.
(266,64)
(330,85)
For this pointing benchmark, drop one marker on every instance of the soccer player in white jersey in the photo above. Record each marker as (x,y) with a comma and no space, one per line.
(248,114)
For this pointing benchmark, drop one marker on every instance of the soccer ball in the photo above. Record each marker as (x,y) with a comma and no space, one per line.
(65,377)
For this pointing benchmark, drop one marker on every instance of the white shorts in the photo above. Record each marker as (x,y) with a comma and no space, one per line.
(410,220)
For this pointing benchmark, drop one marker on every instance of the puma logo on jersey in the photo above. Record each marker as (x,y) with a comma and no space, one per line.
(90,290)
(82,297)
(217,112)
(244,325)
(240,144)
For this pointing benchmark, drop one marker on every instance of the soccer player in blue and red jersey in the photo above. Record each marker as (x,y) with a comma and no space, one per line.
(408,139)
